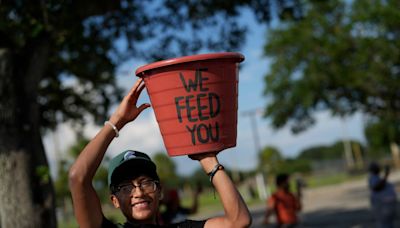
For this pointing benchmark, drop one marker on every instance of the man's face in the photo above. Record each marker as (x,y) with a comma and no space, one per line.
(138,199)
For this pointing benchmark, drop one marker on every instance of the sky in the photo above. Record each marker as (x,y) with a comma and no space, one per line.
(143,134)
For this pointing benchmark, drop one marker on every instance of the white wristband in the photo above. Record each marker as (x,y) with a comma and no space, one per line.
(113,127)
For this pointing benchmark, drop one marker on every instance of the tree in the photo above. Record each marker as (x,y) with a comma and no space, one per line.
(100,181)
(380,134)
(342,56)
(269,160)
(166,169)
(272,162)
(198,178)
(62,193)
(58,62)
(61,186)
(335,151)
(316,153)
(328,152)
(292,166)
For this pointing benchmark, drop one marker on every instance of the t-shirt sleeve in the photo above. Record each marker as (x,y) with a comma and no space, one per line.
(108,224)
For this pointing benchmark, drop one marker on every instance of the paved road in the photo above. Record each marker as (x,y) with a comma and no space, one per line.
(340,206)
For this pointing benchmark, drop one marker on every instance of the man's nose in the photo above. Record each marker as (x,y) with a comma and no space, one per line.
(137,191)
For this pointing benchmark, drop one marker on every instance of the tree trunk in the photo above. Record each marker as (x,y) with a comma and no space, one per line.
(348,154)
(26,193)
(358,156)
(394,147)
(17,209)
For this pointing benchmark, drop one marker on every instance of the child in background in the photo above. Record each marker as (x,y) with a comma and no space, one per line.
(284,204)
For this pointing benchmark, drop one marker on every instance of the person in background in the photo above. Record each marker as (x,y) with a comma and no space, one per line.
(174,211)
(134,183)
(383,196)
(284,204)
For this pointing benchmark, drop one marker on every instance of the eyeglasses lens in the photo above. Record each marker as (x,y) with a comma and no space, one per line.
(145,186)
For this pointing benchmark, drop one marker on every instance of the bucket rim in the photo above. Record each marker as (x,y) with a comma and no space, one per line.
(191,58)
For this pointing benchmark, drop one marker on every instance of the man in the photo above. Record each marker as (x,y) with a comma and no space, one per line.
(134,184)
(383,196)
(284,204)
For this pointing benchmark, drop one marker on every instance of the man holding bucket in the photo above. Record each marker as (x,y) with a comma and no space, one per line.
(134,183)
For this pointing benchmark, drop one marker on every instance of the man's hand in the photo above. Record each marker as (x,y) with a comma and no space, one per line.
(202,156)
(207,160)
(127,110)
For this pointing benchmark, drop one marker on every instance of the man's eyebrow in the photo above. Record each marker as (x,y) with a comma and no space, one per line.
(137,180)
(125,183)
(141,178)
(144,179)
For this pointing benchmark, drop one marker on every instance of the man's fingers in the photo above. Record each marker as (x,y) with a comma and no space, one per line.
(141,87)
(143,107)
(136,90)
(135,87)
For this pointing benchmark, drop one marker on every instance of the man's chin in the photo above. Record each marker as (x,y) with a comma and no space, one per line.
(143,215)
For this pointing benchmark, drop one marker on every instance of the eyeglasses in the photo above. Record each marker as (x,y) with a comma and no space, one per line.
(147,186)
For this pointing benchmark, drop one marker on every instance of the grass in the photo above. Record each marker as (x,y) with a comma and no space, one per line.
(71,223)
(332,179)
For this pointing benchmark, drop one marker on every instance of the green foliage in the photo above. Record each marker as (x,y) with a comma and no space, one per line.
(198,177)
(272,162)
(61,184)
(328,152)
(269,159)
(342,56)
(43,172)
(100,183)
(166,169)
(77,148)
(84,41)
(291,166)
(379,134)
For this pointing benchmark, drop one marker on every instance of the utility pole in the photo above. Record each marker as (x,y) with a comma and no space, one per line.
(348,153)
(254,127)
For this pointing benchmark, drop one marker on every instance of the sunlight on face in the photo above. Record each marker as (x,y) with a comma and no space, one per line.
(138,199)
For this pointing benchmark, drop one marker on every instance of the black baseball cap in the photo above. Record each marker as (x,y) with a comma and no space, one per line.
(128,165)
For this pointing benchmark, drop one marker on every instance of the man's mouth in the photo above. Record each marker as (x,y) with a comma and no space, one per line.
(142,204)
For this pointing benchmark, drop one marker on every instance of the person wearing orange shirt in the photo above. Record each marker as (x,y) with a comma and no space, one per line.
(284,204)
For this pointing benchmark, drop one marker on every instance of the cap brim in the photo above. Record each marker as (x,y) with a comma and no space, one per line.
(132,169)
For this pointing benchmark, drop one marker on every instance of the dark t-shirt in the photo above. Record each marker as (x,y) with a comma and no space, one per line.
(185,224)
(176,216)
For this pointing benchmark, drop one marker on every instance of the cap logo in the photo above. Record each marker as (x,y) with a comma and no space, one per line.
(129,155)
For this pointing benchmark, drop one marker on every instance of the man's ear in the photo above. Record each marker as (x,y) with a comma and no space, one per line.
(114,201)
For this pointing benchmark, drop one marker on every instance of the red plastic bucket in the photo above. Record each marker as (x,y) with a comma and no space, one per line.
(195,101)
